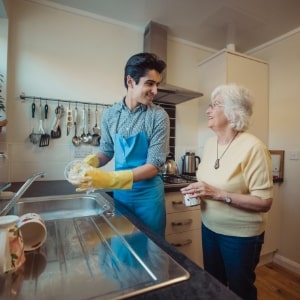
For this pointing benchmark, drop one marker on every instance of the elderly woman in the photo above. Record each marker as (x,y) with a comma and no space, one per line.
(236,189)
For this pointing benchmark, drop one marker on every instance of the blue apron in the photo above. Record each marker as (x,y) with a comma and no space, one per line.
(146,199)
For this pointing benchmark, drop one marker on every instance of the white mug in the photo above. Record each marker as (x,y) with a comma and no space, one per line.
(33,230)
(191,200)
(11,244)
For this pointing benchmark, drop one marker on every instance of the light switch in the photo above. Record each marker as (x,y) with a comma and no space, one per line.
(294,155)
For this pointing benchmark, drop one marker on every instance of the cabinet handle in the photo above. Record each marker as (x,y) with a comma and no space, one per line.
(179,202)
(182,223)
(184,243)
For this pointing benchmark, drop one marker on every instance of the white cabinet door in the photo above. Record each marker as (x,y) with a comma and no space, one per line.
(183,227)
(189,243)
(233,67)
(184,221)
(253,74)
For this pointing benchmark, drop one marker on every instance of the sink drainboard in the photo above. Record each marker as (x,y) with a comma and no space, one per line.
(100,256)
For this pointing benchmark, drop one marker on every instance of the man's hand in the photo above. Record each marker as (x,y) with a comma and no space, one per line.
(92,160)
(98,179)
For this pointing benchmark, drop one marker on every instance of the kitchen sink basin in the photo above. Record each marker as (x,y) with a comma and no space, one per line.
(92,251)
(62,206)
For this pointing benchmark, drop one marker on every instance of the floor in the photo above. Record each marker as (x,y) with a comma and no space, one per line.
(274,282)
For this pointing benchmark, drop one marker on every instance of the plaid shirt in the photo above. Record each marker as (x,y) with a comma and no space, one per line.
(152,119)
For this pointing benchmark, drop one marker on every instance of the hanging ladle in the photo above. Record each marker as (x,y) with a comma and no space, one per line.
(96,135)
(84,137)
(76,140)
(89,135)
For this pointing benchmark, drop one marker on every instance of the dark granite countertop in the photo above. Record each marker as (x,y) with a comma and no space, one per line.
(200,285)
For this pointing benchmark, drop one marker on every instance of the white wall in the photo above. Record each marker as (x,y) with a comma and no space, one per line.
(58,54)
(284,61)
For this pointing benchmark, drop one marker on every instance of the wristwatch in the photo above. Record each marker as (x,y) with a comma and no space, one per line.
(228,200)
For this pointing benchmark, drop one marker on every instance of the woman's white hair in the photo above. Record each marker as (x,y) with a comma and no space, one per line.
(238,103)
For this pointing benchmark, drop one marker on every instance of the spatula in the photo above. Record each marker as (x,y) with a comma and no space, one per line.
(56,131)
(45,138)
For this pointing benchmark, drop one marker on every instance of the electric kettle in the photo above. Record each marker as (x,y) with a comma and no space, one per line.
(190,163)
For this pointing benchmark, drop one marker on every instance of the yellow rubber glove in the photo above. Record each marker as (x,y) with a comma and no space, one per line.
(96,178)
(92,160)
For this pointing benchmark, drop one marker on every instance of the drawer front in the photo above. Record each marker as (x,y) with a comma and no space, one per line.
(184,221)
(174,203)
(189,243)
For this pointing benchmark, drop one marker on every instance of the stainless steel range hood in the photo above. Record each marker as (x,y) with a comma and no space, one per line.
(155,41)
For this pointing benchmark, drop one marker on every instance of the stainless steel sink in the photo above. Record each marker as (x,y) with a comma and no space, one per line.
(62,206)
(91,252)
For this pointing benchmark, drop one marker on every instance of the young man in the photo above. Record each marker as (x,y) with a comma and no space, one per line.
(136,132)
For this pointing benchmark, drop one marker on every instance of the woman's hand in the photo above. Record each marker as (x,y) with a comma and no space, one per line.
(201,189)
(242,201)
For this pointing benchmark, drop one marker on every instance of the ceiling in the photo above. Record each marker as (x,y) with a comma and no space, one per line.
(215,24)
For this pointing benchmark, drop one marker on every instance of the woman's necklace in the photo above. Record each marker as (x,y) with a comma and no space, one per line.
(217,162)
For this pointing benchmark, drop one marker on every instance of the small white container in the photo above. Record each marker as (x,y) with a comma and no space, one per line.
(190,200)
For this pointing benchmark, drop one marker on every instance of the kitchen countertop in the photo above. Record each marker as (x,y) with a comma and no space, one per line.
(200,285)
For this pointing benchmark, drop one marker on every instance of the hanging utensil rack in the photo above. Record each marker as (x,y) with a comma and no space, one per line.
(24,97)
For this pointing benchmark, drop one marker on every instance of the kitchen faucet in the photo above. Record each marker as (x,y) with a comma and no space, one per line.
(20,193)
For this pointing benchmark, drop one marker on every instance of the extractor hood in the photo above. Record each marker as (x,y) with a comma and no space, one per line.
(155,41)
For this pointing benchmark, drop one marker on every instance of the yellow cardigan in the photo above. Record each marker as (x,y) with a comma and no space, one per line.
(245,168)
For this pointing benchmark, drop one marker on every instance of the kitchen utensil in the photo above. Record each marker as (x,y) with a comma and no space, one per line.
(96,135)
(69,120)
(170,166)
(84,137)
(34,136)
(56,131)
(11,244)
(95,140)
(190,163)
(89,135)
(45,138)
(96,128)
(46,108)
(76,140)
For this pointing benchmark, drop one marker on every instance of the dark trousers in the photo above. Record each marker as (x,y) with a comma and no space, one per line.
(232,260)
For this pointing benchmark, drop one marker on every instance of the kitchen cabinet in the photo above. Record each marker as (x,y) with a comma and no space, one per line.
(233,67)
(183,227)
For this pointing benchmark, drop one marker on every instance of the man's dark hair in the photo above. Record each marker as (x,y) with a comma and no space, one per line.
(139,64)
